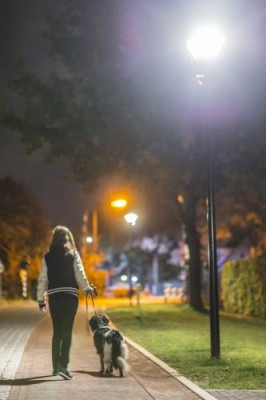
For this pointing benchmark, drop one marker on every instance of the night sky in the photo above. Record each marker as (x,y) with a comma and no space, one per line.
(21,23)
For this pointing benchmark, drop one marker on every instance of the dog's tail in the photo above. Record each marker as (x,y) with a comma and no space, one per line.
(122,360)
(122,363)
(124,350)
(119,351)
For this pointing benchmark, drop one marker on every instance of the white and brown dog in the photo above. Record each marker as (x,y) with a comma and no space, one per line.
(110,346)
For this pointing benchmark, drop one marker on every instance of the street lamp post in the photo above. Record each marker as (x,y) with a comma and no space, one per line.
(95,244)
(94,239)
(204,45)
(118,204)
(2,268)
(131,219)
(118,209)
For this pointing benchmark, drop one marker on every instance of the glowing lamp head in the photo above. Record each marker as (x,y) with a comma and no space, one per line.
(119,203)
(89,239)
(131,218)
(123,278)
(205,43)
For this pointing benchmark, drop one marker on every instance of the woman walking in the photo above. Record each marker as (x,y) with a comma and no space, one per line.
(61,275)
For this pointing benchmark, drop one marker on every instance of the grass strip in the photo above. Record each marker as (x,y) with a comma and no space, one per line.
(181,337)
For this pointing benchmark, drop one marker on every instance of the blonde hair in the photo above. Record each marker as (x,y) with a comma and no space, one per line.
(62,239)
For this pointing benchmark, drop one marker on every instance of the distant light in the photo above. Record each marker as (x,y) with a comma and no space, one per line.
(89,239)
(123,278)
(200,78)
(131,218)
(205,43)
(134,279)
(119,203)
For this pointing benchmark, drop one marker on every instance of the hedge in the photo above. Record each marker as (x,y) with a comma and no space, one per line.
(243,287)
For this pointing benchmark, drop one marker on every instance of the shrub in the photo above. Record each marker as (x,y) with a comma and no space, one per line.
(243,287)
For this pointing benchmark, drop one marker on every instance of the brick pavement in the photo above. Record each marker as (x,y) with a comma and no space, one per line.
(149,378)
(145,381)
(16,324)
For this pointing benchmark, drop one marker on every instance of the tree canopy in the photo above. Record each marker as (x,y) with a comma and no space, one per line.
(23,226)
(119,97)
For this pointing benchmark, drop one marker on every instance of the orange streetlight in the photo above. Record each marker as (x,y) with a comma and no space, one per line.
(119,203)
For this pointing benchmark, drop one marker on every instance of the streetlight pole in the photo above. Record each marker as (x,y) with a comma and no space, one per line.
(95,230)
(204,45)
(2,268)
(213,270)
(118,207)
(94,241)
(118,203)
(84,232)
(131,219)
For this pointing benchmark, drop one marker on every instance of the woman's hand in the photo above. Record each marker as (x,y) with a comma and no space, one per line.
(42,307)
(92,290)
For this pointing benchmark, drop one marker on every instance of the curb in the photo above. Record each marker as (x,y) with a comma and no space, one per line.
(174,373)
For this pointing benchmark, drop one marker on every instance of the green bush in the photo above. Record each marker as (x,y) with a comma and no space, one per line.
(243,287)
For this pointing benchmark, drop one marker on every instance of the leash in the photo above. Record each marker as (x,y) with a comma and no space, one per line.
(87,315)
(87,310)
(92,300)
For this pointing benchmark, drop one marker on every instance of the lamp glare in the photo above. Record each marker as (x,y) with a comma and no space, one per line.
(205,43)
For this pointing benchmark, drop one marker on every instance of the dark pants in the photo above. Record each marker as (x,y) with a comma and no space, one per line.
(63,308)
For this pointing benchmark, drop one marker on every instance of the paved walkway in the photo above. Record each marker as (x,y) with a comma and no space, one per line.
(145,381)
(149,378)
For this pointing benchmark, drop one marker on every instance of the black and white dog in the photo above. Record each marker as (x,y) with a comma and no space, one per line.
(110,346)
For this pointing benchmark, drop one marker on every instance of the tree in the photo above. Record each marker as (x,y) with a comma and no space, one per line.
(24,229)
(117,102)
